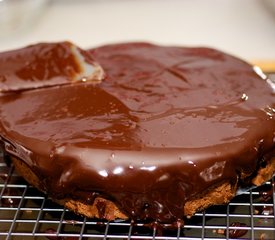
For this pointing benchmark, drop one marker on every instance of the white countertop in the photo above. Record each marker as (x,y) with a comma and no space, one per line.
(245,28)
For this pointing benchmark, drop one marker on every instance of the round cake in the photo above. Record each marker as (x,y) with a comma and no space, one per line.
(166,132)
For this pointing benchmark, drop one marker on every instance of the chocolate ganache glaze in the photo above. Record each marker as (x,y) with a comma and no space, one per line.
(46,64)
(164,125)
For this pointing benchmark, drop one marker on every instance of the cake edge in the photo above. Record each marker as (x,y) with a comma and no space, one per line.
(102,208)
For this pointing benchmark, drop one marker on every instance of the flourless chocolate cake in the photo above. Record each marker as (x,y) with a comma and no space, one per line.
(150,133)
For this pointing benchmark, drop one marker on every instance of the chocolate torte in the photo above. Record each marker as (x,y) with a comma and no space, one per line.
(155,133)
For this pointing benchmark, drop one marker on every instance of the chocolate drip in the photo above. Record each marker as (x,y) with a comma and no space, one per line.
(54,235)
(239,230)
(165,125)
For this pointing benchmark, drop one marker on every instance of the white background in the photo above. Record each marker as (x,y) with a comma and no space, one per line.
(245,28)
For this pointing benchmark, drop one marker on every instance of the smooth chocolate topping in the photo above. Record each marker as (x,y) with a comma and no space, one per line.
(46,64)
(166,124)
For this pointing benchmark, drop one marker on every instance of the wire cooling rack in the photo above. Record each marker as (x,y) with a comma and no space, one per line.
(27,214)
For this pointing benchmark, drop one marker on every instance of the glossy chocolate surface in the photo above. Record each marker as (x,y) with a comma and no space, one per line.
(166,124)
(46,64)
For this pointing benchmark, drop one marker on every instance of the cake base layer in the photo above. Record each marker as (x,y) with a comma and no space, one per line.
(106,209)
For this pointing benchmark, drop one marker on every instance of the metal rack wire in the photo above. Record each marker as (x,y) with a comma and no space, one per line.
(26,213)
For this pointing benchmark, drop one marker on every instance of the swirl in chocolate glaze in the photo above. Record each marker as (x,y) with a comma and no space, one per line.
(166,124)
